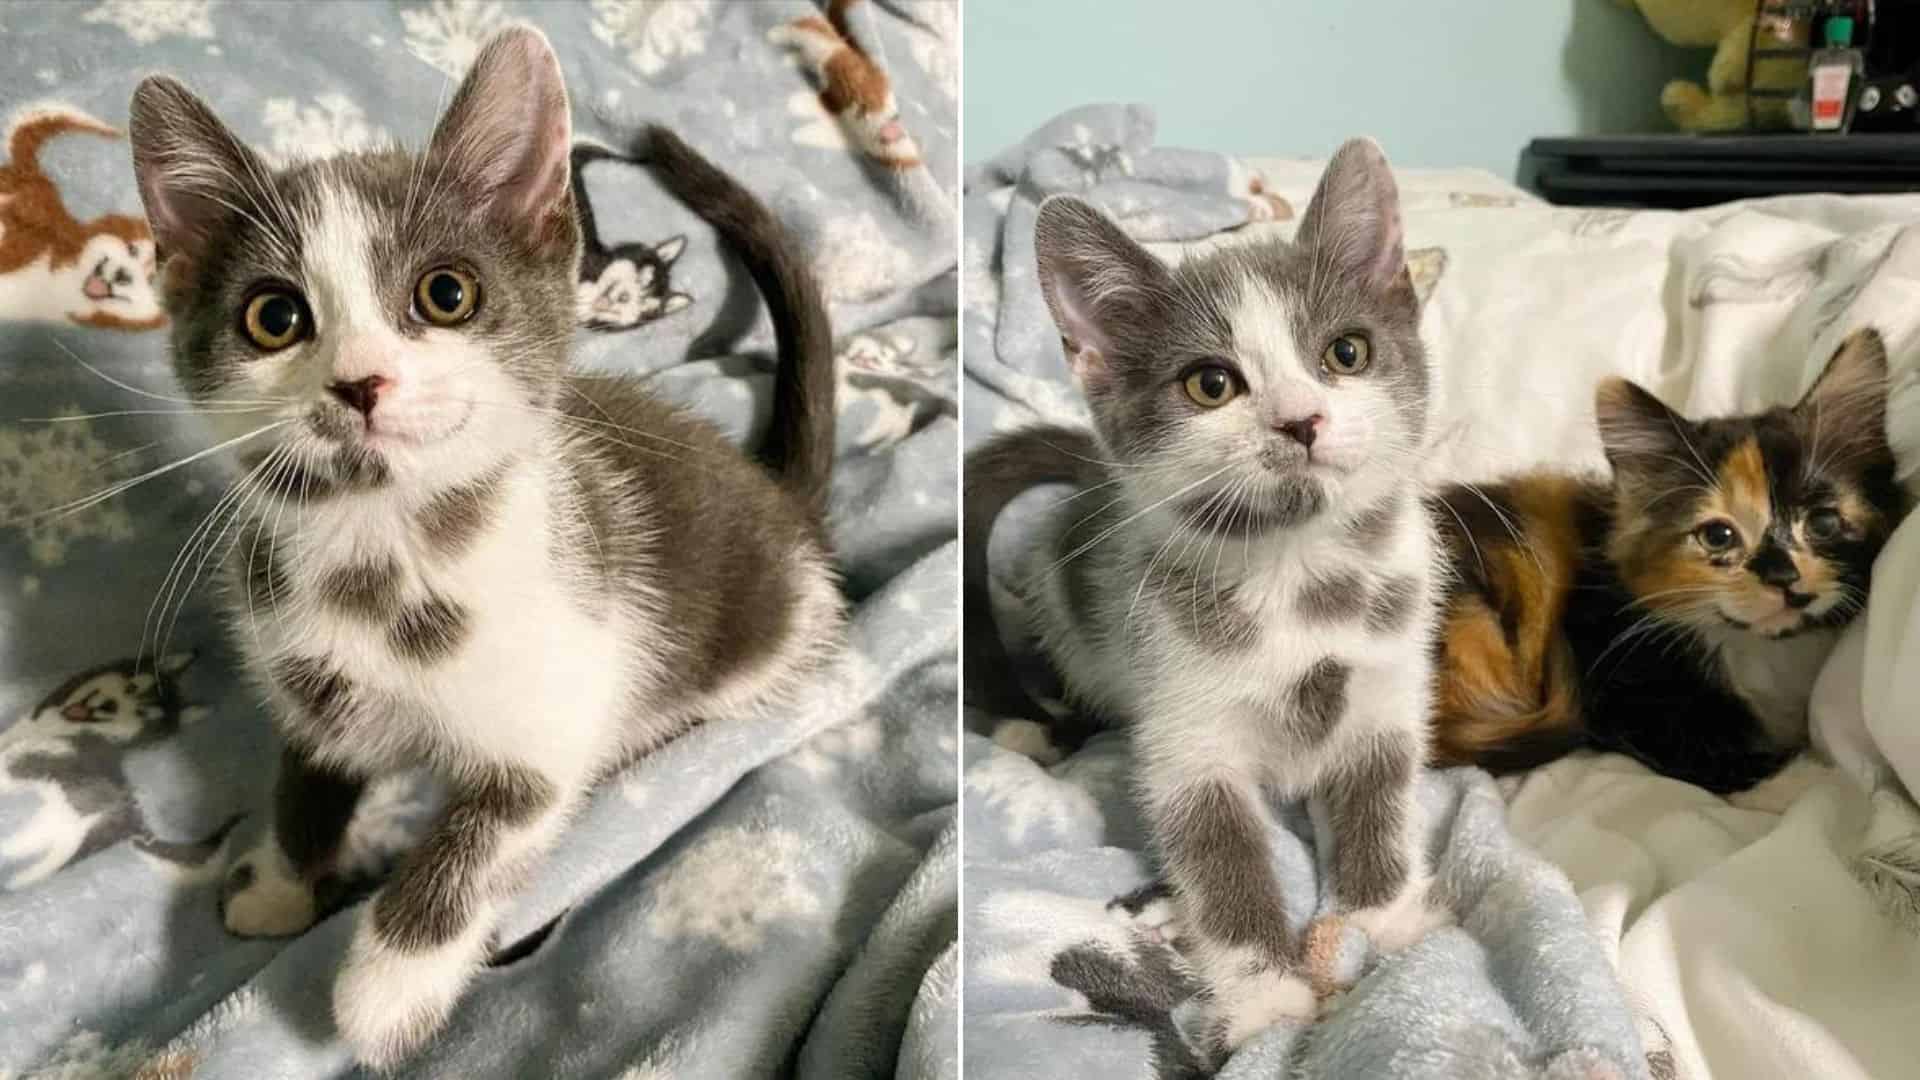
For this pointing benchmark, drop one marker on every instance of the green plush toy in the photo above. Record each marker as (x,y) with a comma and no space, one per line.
(1727,27)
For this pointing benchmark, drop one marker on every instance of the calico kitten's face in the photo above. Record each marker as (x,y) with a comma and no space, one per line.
(1252,387)
(1768,523)
(396,312)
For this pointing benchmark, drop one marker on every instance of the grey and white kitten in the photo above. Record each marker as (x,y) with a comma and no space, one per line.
(453,552)
(1257,599)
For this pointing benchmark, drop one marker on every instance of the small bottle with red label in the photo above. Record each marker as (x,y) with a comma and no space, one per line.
(1833,77)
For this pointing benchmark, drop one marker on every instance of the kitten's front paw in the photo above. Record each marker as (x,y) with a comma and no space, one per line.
(1402,921)
(388,1003)
(262,897)
(1029,739)
(1244,1005)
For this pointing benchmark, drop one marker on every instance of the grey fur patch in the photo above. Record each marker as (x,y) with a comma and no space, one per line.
(1332,599)
(1210,616)
(453,519)
(1367,803)
(369,589)
(1213,840)
(1391,605)
(433,896)
(1370,530)
(261,568)
(323,694)
(1320,699)
(429,631)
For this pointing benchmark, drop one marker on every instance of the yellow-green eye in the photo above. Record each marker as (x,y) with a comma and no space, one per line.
(1348,354)
(275,319)
(1211,387)
(446,296)
(1717,536)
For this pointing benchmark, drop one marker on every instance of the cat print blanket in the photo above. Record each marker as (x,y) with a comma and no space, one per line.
(746,901)
(1073,963)
(1774,935)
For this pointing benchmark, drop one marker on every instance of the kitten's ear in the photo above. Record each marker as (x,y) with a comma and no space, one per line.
(670,250)
(1354,219)
(504,141)
(1850,396)
(1101,287)
(675,301)
(193,173)
(1637,429)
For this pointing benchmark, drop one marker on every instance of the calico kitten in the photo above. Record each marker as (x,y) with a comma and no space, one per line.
(451,551)
(95,273)
(1257,598)
(1679,613)
(626,286)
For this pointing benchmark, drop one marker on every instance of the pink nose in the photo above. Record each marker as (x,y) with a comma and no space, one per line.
(361,394)
(1302,431)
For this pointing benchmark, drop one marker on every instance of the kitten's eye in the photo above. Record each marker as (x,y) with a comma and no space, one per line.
(1348,354)
(275,319)
(446,296)
(1717,536)
(1825,524)
(1211,387)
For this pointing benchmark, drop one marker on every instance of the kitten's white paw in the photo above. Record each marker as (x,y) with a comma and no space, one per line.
(1401,922)
(1028,738)
(1246,1005)
(388,1003)
(262,897)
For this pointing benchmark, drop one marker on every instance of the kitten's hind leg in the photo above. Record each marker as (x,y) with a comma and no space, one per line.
(1212,837)
(1367,811)
(428,930)
(275,890)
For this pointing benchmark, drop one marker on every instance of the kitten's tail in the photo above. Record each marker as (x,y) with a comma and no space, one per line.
(33,129)
(997,473)
(799,446)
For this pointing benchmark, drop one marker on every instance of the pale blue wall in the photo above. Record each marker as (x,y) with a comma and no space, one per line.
(1295,77)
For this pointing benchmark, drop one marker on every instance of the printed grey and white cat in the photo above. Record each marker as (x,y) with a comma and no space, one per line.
(625,286)
(452,552)
(1257,599)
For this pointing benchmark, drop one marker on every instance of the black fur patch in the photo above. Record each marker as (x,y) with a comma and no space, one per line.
(312,806)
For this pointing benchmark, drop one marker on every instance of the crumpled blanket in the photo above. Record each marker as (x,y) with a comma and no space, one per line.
(745,901)
(1073,961)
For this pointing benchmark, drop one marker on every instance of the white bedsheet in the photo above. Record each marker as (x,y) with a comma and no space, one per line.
(1746,931)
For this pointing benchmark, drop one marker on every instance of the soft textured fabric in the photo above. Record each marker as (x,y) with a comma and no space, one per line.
(1073,966)
(744,900)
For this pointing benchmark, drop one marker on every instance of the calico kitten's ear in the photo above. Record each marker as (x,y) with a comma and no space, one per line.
(1354,220)
(670,250)
(1850,396)
(1637,429)
(1102,288)
(193,173)
(504,141)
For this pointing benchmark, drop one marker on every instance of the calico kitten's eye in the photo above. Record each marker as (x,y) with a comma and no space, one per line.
(1348,354)
(1825,523)
(1717,536)
(1211,386)
(275,319)
(446,296)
